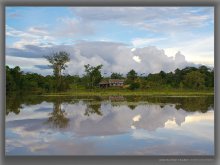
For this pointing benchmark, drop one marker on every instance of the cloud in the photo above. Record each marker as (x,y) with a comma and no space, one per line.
(180,60)
(37,51)
(170,29)
(149,18)
(38,30)
(42,67)
(115,57)
(72,27)
(36,36)
(154,60)
(22,61)
(137,59)
(27,51)
(29,64)
(199,50)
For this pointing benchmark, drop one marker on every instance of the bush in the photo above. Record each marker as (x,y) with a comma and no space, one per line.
(134,86)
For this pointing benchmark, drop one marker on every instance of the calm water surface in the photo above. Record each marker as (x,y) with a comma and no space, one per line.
(109,126)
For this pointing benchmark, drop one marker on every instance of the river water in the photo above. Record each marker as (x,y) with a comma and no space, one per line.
(113,125)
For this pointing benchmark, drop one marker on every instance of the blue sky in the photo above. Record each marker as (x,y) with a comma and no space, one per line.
(147,39)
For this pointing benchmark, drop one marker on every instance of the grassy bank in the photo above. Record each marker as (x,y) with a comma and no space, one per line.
(125,92)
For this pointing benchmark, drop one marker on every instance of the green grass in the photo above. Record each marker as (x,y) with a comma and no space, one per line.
(126,92)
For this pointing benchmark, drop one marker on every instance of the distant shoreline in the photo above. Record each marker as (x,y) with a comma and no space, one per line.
(132,93)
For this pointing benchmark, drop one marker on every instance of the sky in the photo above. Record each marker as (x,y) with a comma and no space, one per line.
(146,39)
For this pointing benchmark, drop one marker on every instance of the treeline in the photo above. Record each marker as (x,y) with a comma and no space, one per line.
(188,78)
(18,81)
(192,78)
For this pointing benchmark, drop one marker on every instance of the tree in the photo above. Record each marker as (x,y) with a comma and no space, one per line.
(116,76)
(155,81)
(93,75)
(170,79)
(162,74)
(58,64)
(194,80)
(212,77)
(203,69)
(134,85)
(10,84)
(13,79)
(177,78)
(208,75)
(131,76)
(132,80)
(58,61)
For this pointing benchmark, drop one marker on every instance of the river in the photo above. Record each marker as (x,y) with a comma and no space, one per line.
(116,125)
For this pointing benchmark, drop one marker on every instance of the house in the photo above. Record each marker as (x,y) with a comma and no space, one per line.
(111,83)
(104,84)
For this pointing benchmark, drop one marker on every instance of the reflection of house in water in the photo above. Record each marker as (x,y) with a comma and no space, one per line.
(111,83)
(116,98)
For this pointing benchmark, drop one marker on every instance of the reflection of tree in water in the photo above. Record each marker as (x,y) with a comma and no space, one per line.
(132,106)
(162,106)
(13,104)
(14,101)
(202,104)
(58,117)
(93,108)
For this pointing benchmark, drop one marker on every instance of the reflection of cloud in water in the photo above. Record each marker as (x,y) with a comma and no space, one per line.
(136,118)
(170,124)
(200,117)
(170,149)
(38,147)
(142,134)
(197,121)
(115,120)
(144,123)
(32,112)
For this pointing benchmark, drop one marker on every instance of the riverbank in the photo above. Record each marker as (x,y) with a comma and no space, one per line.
(123,92)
